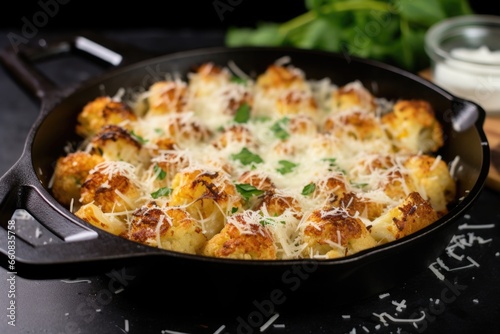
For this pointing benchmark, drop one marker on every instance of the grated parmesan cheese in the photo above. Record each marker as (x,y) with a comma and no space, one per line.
(282,139)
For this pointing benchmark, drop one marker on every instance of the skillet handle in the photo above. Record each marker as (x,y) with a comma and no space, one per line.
(75,247)
(20,60)
(466,114)
(69,248)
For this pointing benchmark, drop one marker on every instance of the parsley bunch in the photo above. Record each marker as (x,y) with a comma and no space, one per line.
(391,31)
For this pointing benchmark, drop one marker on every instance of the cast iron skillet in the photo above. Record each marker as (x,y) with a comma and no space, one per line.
(82,249)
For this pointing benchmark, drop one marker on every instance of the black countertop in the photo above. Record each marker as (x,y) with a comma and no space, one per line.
(458,293)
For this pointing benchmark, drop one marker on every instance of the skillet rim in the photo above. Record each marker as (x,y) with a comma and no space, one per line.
(456,212)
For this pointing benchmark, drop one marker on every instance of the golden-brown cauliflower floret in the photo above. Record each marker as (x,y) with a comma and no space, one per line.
(183,127)
(236,98)
(382,172)
(360,126)
(295,102)
(235,136)
(283,90)
(325,145)
(70,173)
(217,99)
(243,237)
(356,204)
(413,127)
(334,233)
(112,186)
(353,96)
(432,179)
(92,214)
(279,77)
(289,129)
(257,179)
(114,143)
(166,227)
(286,148)
(275,204)
(413,214)
(330,188)
(208,196)
(103,111)
(302,125)
(165,166)
(167,96)
(157,145)
(207,79)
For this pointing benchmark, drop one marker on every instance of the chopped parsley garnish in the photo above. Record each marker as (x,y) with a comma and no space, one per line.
(279,128)
(238,80)
(262,119)
(242,113)
(247,190)
(359,185)
(286,166)
(159,172)
(332,162)
(246,157)
(309,189)
(165,191)
(267,221)
(138,138)
(234,209)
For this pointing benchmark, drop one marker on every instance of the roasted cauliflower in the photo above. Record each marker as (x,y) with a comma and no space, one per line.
(257,166)
(70,173)
(413,214)
(168,96)
(208,196)
(112,186)
(413,127)
(111,223)
(102,111)
(333,233)
(166,227)
(244,236)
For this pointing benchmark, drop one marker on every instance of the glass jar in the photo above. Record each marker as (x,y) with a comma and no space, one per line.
(464,53)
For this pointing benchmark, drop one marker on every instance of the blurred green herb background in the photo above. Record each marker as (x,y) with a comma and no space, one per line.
(390,31)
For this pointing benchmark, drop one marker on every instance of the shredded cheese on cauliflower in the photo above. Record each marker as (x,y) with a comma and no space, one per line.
(279,166)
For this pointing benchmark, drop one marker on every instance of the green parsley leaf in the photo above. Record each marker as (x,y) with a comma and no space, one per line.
(262,119)
(247,190)
(234,209)
(138,138)
(242,113)
(165,191)
(286,166)
(359,185)
(279,128)
(159,172)
(332,161)
(238,80)
(309,189)
(267,221)
(397,29)
(246,157)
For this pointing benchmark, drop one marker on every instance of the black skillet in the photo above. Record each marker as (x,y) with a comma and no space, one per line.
(79,249)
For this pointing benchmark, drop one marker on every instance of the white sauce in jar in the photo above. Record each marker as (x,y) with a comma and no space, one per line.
(472,74)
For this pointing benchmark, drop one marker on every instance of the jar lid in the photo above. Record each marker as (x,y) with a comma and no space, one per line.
(462,33)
